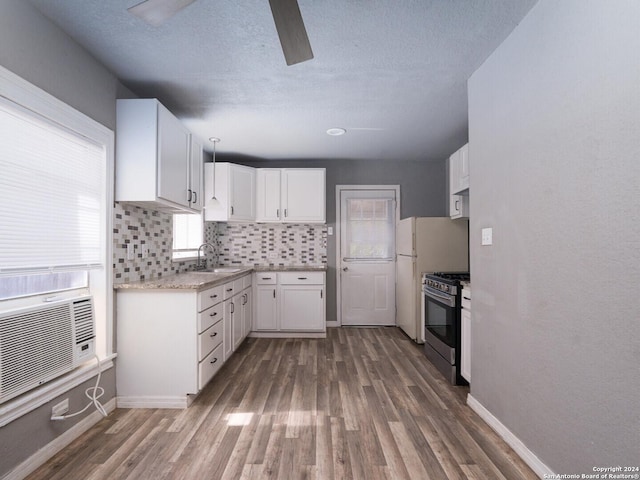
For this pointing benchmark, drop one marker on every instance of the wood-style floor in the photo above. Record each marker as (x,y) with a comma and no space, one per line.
(360,404)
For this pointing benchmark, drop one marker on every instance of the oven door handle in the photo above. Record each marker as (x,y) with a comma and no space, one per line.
(444,298)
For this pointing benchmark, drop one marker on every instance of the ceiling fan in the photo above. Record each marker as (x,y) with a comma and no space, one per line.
(286,14)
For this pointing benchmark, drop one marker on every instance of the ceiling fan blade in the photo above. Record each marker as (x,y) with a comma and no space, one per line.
(290,27)
(156,12)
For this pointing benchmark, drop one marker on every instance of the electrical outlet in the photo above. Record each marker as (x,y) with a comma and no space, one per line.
(60,409)
(144,250)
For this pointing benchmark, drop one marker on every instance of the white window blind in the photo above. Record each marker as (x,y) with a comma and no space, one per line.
(52,187)
(187,235)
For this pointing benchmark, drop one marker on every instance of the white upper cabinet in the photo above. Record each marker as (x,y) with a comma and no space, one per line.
(303,195)
(234,195)
(196,170)
(153,157)
(459,183)
(460,170)
(291,195)
(268,206)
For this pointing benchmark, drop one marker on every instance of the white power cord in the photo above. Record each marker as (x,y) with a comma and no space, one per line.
(93,394)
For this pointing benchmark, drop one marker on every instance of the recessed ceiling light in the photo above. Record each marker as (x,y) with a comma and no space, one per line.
(214,139)
(335,132)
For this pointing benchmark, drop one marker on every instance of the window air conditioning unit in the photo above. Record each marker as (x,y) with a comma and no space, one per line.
(38,344)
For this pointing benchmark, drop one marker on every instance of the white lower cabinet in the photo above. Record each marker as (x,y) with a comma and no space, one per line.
(290,302)
(171,343)
(465,335)
(238,313)
(266,307)
(302,308)
(247,312)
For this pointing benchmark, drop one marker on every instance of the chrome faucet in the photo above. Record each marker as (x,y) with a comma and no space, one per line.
(199,265)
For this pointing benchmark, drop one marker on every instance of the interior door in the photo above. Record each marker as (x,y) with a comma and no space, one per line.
(367,263)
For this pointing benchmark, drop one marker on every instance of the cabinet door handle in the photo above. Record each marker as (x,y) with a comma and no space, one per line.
(213,314)
(213,296)
(214,360)
(189,196)
(274,293)
(285,212)
(278,212)
(231,209)
(266,278)
(213,334)
(233,307)
(457,207)
(229,289)
(320,293)
(195,197)
(302,278)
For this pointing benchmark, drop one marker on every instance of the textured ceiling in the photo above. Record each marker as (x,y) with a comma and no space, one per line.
(392,73)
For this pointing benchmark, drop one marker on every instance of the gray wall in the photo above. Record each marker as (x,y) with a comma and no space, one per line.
(35,49)
(554,135)
(422,194)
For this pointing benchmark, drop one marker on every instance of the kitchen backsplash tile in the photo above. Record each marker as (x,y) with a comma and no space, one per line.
(270,244)
(140,226)
(236,244)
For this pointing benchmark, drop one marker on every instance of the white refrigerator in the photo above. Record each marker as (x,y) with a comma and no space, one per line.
(425,244)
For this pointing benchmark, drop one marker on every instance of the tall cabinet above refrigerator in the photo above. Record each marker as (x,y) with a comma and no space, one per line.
(425,244)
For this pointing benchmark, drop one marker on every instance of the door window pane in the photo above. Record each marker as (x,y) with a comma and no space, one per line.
(370,228)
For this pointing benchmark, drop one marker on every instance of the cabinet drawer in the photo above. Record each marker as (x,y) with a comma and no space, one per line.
(301,278)
(209,367)
(209,317)
(209,297)
(209,339)
(228,290)
(266,278)
(246,281)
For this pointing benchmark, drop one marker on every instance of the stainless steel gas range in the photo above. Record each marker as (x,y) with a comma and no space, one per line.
(441,301)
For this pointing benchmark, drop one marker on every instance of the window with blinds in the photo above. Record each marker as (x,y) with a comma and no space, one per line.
(187,235)
(52,191)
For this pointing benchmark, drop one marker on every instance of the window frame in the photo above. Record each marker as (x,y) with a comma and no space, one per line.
(19,91)
(192,252)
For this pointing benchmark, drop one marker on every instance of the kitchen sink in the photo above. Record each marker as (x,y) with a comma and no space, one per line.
(219,270)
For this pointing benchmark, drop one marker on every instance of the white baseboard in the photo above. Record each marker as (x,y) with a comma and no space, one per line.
(332,323)
(288,334)
(153,402)
(39,458)
(508,436)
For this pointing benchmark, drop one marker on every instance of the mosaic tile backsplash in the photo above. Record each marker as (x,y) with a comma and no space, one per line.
(271,244)
(154,230)
(236,244)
